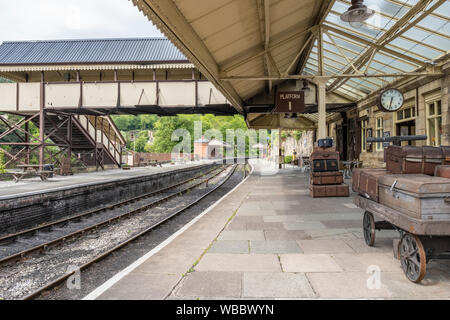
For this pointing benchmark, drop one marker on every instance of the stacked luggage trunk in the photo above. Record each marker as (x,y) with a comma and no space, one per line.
(326,180)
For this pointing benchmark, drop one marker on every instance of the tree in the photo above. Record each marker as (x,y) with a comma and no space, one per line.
(163,128)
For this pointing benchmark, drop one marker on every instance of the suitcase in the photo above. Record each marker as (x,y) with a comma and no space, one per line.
(446,154)
(342,190)
(356,174)
(325,165)
(325,143)
(416,195)
(339,190)
(317,191)
(325,161)
(406,159)
(328,150)
(432,157)
(442,171)
(325,154)
(368,183)
(321,178)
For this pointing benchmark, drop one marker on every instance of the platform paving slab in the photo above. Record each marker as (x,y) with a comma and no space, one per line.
(277,285)
(256,212)
(265,226)
(435,285)
(361,262)
(346,285)
(309,263)
(210,284)
(342,224)
(139,286)
(239,263)
(325,246)
(303,217)
(309,225)
(286,235)
(275,246)
(334,233)
(241,235)
(230,246)
(380,246)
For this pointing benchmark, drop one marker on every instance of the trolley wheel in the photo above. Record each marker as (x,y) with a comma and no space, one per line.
(412,257)
(369,228)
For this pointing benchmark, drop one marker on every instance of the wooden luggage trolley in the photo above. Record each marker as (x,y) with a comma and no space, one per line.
(421,240)
(416,205)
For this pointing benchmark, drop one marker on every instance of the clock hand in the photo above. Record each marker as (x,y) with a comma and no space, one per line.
(391,102)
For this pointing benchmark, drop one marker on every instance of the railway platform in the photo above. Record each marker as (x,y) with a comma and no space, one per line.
(31,186)
(267,239)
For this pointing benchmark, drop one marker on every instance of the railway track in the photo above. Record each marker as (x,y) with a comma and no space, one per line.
(67,225)
(207,176)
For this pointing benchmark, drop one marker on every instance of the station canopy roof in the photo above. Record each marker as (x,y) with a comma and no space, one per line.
(245,47)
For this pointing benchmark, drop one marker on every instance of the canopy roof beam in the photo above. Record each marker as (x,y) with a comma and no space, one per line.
(431,73)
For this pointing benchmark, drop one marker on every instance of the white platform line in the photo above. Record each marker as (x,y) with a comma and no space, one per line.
(121,274)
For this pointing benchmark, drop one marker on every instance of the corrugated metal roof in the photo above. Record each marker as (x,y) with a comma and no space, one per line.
(81,67)
(124,50)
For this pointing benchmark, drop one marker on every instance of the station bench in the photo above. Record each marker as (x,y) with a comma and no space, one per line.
(19,175)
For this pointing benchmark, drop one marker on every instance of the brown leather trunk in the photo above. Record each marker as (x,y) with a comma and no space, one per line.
(446,154)
(442,171)
(415,160)
(321,178)
(356,176)
(325,160)
(416,195)
(342,190)
(406,159)
(368,183)
(325,165)
(433,156)
(339,190)
(316,191)
(330,149)
(321,154)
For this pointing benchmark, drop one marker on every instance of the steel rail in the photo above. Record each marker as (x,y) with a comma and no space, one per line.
(99,210)
(45,245)
(117,247)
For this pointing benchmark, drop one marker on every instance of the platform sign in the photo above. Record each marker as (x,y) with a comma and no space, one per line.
(290,102)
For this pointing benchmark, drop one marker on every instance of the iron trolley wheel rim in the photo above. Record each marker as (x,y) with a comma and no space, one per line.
(413,257)
(369,228)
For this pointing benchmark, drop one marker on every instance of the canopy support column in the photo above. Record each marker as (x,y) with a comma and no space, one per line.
(42,124)
(322,124)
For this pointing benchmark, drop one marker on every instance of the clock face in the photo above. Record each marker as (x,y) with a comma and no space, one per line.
(391,100)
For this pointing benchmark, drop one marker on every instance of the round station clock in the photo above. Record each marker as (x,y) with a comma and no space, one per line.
(390,100)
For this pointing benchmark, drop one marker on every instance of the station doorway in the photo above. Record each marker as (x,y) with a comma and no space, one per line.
(407,128)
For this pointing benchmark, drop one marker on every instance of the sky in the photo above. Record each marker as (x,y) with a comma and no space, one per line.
(72,19)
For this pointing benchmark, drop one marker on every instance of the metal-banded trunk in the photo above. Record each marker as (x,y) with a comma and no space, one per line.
(417,195)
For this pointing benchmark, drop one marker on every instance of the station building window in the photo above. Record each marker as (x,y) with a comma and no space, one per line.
(364,124)
(379,131)
(405,122)
(434,122)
